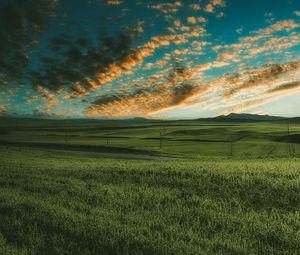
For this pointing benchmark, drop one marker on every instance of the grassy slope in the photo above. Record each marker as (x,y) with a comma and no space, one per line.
(51,203)
(190,139)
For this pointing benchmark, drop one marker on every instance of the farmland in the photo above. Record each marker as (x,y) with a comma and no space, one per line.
(190,139)
(230,188)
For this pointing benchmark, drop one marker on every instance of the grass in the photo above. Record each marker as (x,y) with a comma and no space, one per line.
(189,139)
(59,202)
(55,203)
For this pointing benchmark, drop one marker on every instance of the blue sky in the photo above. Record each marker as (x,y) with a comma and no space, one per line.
(156,59)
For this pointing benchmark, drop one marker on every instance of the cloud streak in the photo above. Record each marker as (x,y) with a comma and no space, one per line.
(120,58)
(285,87)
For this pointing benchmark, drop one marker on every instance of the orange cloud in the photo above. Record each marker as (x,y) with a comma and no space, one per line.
(285,87)
(265,76)
(286,25)
(195,7)
(167,8)
(213,3)
(114,2)
(209,8)
(177,90)
(218,2)
(2,108)
(192,20)
(261,42)
(202,20)
(145,103)
(52,101)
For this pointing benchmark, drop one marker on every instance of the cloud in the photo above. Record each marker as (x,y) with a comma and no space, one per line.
(218,2)
(247,104)
(114,2)
(263,42)
(177,90)
(167,8)
(21,23)
(192,20)
(202,20)
(285,87)
(237,82)
(195,7)
(228,55)
(50,98)
(125,68)
(78,65)
(143,102)
(2,108)
(240,90)
(284,25)
(239,30)
(209,8)
(81,65)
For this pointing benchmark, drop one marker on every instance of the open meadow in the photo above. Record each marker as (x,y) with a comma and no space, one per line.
(150,127)
(190,139)
(211,188)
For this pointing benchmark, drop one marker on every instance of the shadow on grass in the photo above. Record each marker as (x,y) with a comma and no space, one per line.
(74,147)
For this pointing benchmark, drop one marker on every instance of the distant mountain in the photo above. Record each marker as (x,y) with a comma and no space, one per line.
(141,120)
(293,120)
(233,117)
(8,119)
(248,117)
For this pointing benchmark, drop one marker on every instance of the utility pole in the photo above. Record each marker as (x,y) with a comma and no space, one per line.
(288,138)
(160,140)
(231,146)
(66,135)
(107,138)
(291,148)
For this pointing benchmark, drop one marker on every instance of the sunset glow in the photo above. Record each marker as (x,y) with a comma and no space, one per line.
(155,59)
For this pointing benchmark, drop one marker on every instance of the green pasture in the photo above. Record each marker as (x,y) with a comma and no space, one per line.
(187,138)
(225,188)
(60,203)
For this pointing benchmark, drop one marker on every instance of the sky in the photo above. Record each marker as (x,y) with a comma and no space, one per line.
(154,59)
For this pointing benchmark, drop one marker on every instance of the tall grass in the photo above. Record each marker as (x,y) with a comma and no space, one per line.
(51,203)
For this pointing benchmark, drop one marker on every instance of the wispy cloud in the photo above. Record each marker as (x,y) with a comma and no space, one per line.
(291,86)
(2,108)
(143,57)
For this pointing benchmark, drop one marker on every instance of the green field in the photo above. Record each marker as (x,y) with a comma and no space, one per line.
(191,139)
(58,196)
